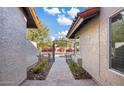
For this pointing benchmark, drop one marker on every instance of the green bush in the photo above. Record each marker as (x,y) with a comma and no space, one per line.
(40,67)
(76,70)
(36,69)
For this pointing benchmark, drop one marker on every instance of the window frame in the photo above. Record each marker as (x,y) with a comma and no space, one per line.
(110,42)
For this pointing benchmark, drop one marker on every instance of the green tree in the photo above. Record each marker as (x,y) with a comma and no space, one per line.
(41,38)
(61,42)
(65,42)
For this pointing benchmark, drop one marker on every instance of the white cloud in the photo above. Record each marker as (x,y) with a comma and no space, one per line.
(63,20)
(62,33)
(52,11)
(73,12)
(53,38)
(63,11)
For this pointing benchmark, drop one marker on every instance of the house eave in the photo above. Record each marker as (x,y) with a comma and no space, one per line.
(32,19)
(76,25)
(81,20)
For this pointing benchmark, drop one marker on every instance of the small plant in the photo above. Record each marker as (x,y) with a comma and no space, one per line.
(75,68)
(78,71)
(36,69)
(40,67)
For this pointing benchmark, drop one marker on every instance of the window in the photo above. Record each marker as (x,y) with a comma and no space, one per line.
(117,41)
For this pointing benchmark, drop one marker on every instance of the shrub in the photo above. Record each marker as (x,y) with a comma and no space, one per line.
(40,67)
(78,71)
(75,68)
(44,61)
(36,69)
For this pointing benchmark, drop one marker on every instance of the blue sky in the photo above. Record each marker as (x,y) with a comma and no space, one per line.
(57,19)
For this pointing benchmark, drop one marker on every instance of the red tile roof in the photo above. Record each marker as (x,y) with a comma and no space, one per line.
(88,13)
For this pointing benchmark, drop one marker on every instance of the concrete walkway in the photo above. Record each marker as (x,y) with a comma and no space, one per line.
(59,75)
(60,71)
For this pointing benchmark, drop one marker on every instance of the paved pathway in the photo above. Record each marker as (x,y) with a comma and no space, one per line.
(59,75)
(60,71)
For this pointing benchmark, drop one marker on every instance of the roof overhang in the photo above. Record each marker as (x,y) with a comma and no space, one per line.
(32,19)
(82,19)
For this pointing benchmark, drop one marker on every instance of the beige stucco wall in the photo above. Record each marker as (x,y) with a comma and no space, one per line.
(108,76)
(16,53)
(94,46)
(89,47)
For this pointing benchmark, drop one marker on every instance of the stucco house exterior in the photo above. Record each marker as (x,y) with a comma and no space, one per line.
(16,53)
(101,32)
